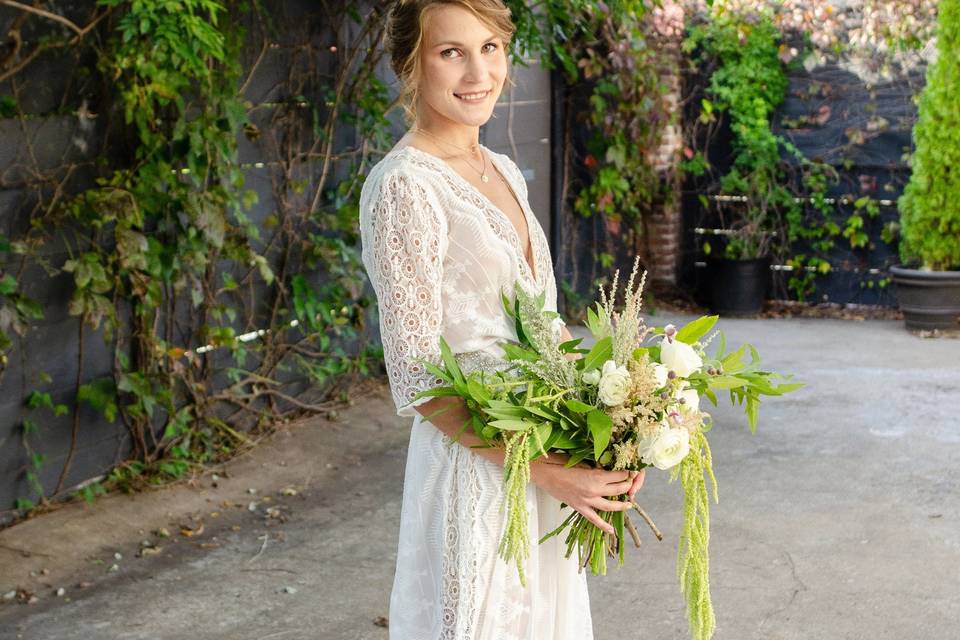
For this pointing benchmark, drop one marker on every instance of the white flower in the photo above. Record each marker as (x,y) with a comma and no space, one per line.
(660,373)
(614,384)
(645,444)
(556,327)
(679,357)
(670,447)
(592,376)
(691,399)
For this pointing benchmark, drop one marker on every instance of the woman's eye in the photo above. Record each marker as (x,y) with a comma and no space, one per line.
(449,53)
(490,47)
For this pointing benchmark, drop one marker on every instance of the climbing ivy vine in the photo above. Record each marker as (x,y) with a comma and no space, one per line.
(212,303)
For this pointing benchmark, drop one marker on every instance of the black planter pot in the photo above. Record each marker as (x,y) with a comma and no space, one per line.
(929,299)
(737,287)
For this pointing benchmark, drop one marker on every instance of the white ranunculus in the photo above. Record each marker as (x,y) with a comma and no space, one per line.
(679,357)
(691,399)
(660,373)
(670,447)
(592,376)
(556,327)
(614,384)
(645,444)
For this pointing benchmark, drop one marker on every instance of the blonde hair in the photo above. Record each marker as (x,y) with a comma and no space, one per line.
(404,38)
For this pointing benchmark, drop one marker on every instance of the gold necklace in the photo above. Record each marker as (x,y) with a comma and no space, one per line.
(472,149)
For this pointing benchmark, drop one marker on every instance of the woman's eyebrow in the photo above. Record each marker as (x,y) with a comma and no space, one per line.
(460,45)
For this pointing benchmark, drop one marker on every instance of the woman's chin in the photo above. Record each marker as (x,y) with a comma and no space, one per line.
(473,117)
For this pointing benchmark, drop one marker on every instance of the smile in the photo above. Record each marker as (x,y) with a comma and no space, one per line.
(478,96)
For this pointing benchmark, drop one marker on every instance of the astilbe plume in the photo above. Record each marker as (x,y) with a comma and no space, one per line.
(626,327)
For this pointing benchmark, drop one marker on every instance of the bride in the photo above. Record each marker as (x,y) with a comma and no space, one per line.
(445,227)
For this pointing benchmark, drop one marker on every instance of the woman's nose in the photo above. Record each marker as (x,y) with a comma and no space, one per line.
(476,69)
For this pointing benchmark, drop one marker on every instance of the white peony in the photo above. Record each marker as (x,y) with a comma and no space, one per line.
(670,447)
(660,373)
(592,376)
(691,399)
(679,357)
(614,384)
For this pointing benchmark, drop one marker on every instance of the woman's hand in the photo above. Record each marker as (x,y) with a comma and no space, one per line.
(585,489)
(638,479)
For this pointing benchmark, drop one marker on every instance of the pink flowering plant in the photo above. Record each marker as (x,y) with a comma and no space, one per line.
(630,401)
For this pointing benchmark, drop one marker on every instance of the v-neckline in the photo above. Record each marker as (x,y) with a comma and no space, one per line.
(532,269)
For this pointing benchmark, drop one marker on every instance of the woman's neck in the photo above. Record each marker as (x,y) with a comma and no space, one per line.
(449,136)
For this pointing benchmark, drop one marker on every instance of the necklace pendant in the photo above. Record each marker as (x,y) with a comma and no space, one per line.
(484,177)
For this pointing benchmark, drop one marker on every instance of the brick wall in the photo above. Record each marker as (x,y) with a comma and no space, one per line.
(665,225)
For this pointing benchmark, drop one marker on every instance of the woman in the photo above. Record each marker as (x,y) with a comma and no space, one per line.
(445,228)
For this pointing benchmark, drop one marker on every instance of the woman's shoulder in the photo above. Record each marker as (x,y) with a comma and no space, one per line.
(405,165)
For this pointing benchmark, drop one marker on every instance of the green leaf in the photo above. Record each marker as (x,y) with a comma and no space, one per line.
(516,352)
(733,362)
(507,305)
(511,425)
(537,443)
(578,407)
(695,330)
(578,456)
(564,440)
(101,395)
(437,371)
(451,362)
(436,392)
(599,354)
(726,382)
(8,284)
(477,391)
(753,412)
(601,427)
(721,346)
(39,399)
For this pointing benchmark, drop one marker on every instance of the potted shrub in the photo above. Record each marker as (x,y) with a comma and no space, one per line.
(928,280)
(747,84)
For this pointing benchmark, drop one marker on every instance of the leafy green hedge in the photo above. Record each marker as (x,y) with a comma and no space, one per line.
(930,205)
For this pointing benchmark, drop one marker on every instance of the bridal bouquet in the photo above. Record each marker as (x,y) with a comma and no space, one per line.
(630,401)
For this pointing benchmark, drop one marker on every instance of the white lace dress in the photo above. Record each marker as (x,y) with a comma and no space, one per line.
(439,253)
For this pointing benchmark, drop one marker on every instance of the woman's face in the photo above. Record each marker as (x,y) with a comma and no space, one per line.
(463,67)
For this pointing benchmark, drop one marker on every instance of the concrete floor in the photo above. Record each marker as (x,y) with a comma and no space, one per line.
(839,519)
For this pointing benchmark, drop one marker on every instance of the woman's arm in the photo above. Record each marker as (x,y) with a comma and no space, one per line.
(584,489)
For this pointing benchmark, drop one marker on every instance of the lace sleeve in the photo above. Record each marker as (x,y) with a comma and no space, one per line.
(404,241)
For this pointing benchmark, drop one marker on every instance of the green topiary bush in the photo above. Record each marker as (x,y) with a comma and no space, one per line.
(930,205)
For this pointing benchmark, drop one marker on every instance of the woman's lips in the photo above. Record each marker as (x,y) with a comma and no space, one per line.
(474,96)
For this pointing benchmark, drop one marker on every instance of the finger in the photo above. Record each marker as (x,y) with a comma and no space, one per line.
(637,483)
(593,517)
(614,489)
(614,477)
(603,504)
